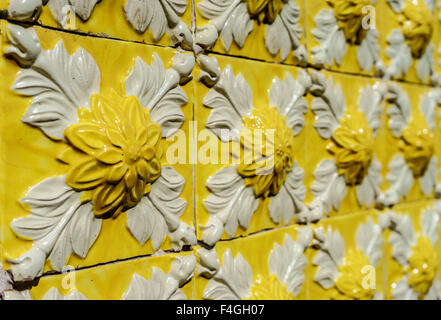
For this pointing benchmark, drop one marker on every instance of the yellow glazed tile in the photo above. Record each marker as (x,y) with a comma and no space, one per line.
(266,30)
(410,150)
(244,110)
(265,266)
(346,258)
(162,277)
(343,35)
(437,38)
(163,23)
(76,182)
(412,251)
(407,37)
(344,130)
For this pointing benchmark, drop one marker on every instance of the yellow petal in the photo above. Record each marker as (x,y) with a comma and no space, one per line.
(142,169)
(86,137)
(130,178)
(107,112)
(86,175)
(153,134)
(134,111)
(107,199)
(257,6)
(115,137)
(110,156)
(136,193)
(67,155)
(116,173)
(154,169)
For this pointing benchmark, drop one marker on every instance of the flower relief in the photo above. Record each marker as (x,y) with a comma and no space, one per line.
(414,131)
(417,255)
(160,16)
(412,41)
(264,135)
(351,132)
(62,10)
(160,285)
(235,19)
(113,152)
(347,22)
(344,271)
(234,280)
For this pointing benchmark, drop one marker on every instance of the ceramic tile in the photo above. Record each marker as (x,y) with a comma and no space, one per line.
(412,251)
(75,181)
(255,267)
(345,260)
(287,149)
(342,40)
(345,129)
(263,30)
(411,153)
(164,23)
(236,192)
(408,38)
(164,277)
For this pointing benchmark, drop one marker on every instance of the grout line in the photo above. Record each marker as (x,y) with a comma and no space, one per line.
(3,16)
(196,49)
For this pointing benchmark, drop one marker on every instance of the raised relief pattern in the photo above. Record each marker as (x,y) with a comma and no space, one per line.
(265,168)
(113,149)
(235,19)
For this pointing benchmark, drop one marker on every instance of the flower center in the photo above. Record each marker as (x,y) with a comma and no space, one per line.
(265,11)
(116,150)
(422,266)
(352,145)
(417,145)
(132,153)
(350,282)
(269,288)
(350,15)
(268,147)
(416,21)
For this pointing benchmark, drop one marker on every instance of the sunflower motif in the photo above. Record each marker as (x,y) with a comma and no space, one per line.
(347,273)
(422,266)
(416,253)
(234,21)
(265,11)
(352,145)
(266,131)
(264,172)
(350,15)
(112,150)
(349,284)
(417,144)
(417,21)
(121,147)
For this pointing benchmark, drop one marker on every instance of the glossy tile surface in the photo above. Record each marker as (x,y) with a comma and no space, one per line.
(27,126)
(164,23)
(236,149)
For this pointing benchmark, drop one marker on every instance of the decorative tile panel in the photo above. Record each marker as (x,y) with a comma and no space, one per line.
(98,133)
(239,191)
(271,30)
(220,149)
